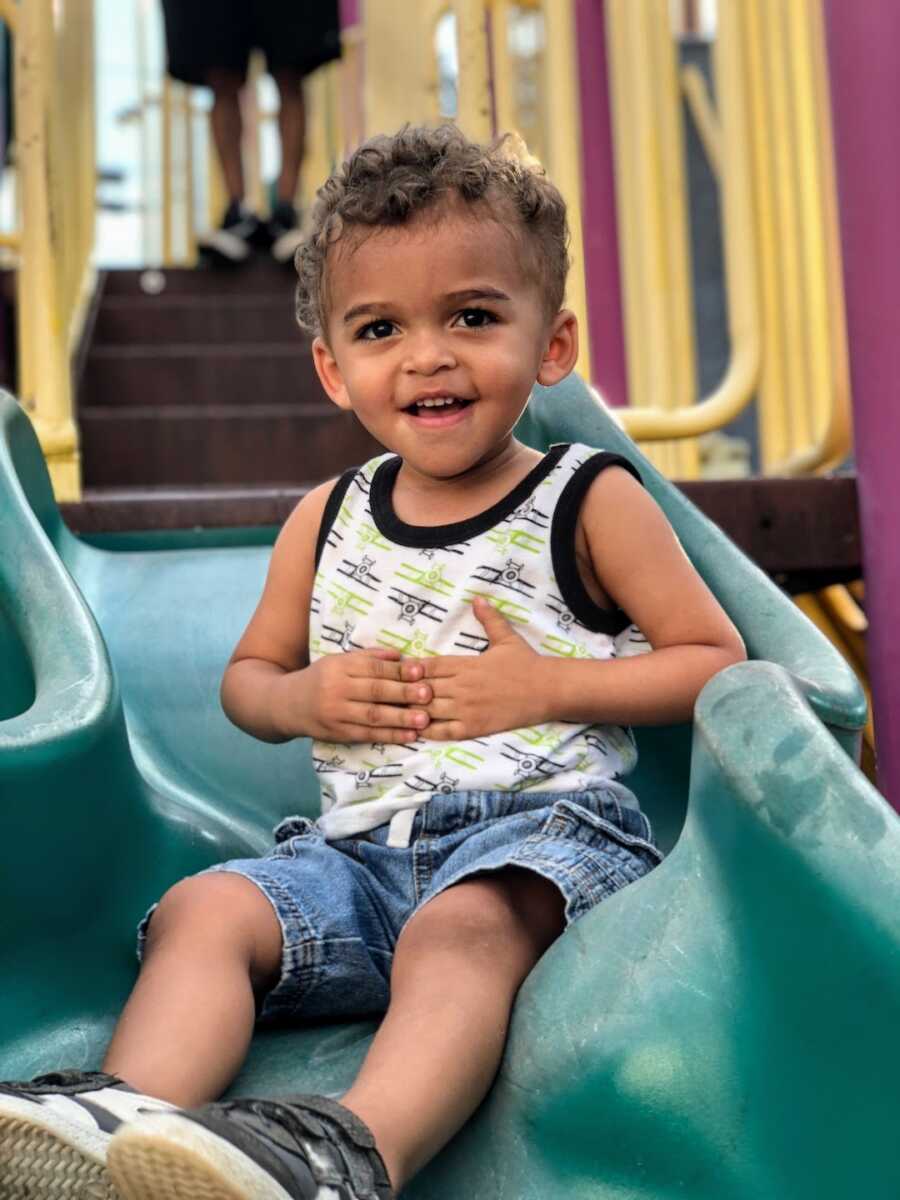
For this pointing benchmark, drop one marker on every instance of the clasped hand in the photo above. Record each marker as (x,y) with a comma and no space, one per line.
(376,696)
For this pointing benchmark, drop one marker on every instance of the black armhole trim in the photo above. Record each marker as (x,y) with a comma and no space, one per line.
(332,508)
(562,546)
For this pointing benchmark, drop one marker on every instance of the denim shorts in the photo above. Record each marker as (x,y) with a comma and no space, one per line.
(342,904)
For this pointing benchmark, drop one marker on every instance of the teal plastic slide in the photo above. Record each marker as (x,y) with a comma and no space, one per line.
(725,1029)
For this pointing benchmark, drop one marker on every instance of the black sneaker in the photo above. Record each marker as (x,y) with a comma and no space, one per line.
(284,232)
(232,242)
(299,1148)
(54,1131)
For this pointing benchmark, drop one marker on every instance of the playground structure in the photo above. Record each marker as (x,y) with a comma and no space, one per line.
(706,1040)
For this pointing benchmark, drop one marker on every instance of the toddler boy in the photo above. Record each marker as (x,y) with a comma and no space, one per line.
(450,625)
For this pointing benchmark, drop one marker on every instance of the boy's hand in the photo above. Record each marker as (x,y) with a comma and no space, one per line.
(497,690)
(361,696)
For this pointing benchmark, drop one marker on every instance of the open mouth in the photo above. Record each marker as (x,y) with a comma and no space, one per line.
(438,408)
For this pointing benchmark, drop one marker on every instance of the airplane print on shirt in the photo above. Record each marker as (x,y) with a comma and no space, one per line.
(378,587)
(411,607)
(509,575)
(360,572)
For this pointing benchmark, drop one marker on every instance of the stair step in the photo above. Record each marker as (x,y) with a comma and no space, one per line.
(256,277)
(207,320)
(190,374)
(116,510)
(219,444)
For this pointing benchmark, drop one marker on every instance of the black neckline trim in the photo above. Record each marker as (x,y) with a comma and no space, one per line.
(431,537)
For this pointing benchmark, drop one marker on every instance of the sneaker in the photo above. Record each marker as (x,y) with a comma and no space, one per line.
(54,1131)
(240,230)
(284,232)
(299,1148)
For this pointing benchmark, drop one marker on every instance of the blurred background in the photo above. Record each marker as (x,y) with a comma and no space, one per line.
(146,324)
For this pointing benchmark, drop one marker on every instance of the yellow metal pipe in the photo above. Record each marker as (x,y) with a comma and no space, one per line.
(562,109)
(503,72)
(836,440)
(700,106)
(474,112)
(773,390)
(168,249)
(49,372)
(737,386)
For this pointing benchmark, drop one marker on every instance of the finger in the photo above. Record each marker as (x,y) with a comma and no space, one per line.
(443,666)
(495,624)
(387,691)
(366,664)
(442,709)
(447,731)
(363,733)
(381,716)
(410,668)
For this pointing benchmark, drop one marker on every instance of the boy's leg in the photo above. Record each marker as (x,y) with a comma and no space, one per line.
(184,1033)
(213,942)
(458,965)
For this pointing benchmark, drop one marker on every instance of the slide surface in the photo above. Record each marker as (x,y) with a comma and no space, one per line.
(725,1028)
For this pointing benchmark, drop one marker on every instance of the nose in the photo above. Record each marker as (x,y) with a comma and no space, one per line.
(427,352)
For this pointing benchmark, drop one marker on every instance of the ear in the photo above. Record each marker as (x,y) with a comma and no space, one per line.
(561,350)
(329,373)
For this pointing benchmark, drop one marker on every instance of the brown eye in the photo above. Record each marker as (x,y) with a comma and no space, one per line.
(476,318)
(376,330)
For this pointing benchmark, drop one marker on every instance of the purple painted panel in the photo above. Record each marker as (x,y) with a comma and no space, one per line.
(350,14)
(863,48)
(601,243)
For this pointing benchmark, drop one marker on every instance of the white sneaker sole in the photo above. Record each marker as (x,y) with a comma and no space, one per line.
(226,245)
(170,1157)
(285,247)
(41,1154)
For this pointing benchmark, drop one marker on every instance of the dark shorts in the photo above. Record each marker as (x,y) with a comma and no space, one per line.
(342,904)
(205,34)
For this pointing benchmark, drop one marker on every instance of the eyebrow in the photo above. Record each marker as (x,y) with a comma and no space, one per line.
(481,293)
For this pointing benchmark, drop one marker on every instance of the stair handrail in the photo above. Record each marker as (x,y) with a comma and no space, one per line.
(53,80)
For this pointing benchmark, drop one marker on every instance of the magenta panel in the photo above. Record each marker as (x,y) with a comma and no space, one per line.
(864,56)
(601,245)
(350,13)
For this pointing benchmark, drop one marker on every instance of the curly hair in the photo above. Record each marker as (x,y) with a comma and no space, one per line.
(389,180)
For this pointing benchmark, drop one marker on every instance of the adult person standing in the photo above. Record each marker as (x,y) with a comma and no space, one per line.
(208,43)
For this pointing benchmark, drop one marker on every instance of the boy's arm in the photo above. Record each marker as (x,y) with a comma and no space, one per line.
(638,561)
(269,688)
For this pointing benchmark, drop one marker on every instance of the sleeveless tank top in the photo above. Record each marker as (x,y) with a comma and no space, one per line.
(382,582)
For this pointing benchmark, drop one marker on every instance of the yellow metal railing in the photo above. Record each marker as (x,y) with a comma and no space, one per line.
(653,229)
(770,145)
(55,162)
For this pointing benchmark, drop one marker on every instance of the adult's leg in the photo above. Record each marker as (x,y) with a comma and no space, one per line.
(213,942)
(292,131)
(458,965)
(227,126)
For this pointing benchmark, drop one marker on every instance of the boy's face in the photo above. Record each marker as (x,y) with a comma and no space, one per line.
(439,310)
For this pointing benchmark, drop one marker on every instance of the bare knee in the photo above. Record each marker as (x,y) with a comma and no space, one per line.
(289,83)
(226,84)
(501,923)
(223,914)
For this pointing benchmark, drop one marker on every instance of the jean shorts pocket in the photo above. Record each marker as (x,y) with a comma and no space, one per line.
(591,826)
